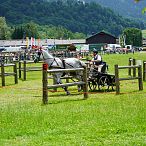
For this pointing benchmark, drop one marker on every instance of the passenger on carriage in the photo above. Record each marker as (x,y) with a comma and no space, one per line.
(97,62)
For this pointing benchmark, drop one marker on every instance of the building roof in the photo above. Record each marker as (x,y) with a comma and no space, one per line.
(100,33)
(42,42)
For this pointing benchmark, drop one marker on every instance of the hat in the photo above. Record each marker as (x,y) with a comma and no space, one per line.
(95,51)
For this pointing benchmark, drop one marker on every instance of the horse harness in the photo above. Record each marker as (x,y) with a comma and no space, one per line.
(54,60)
(59,67)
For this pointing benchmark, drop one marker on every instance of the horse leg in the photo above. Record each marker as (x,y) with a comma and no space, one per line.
(78,77)
(107,67)
(79,88)
(65,88)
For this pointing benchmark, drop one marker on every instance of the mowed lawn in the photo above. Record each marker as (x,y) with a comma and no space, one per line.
(103,119)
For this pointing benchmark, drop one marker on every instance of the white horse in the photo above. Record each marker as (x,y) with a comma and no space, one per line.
(54,62)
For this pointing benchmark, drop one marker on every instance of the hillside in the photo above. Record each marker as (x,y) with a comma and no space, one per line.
(71,14)
(126,8)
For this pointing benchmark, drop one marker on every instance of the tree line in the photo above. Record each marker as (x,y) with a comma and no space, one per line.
(130,35)
(32,29)
(70,15)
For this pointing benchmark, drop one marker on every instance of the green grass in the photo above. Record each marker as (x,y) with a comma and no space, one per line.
(102,119)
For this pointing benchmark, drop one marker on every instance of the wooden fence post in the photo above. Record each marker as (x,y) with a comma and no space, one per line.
(85,86)
(6,60)
(3,74)
(140,77)
(45,84)
(117,79)
(24,70)
(144,70)
(19,69)
(15,71)
(130,63)
(134,69)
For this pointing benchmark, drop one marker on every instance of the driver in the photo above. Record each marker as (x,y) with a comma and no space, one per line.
(97,61)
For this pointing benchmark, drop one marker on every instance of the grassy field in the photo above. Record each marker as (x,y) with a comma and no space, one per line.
(102,119)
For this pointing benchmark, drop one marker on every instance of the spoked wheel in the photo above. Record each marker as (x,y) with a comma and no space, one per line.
(92,85)
(103,83)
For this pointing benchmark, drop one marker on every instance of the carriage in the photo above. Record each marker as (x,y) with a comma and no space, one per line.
(101,79)
(96,78)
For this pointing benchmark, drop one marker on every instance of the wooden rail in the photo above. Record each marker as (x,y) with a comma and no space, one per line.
(46,86)
(26,69)
(3,73)
(10,57)
(117,79)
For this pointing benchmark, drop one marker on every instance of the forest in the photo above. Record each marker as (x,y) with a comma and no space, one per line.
(127,8)
(73,15)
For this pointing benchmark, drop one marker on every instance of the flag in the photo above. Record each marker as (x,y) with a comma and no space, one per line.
(27,42)
(32,41)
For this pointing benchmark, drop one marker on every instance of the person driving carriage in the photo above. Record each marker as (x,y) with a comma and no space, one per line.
(97,62)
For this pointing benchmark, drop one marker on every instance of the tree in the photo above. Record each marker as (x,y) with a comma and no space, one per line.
(31,30)
(74,15)
(4,29)
(18,33)
(133,36)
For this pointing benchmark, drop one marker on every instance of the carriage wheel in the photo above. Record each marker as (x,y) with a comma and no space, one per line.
(92,85)
(113,84)
(103,83)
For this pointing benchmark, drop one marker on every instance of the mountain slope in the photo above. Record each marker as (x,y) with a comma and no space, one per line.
(127,8)
(71,14)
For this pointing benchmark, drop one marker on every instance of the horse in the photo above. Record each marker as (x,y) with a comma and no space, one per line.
(57,63)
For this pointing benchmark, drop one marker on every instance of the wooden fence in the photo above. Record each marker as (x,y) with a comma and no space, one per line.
(6,58)
(23,67)
(46,86)
(117,79)
(132,62)
(10,57)
(3,73)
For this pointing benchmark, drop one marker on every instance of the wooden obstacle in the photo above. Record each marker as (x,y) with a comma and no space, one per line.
(132,62)
(117,79)
(23,68)
(3,73)
(136,62)
(46,86)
